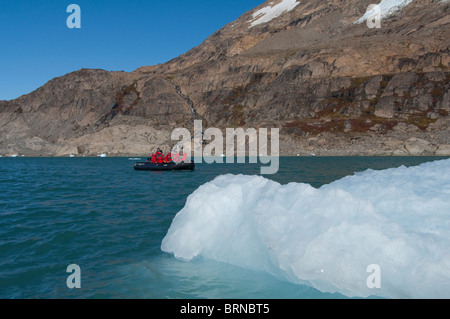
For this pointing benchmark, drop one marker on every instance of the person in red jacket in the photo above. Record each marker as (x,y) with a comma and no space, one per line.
(159,157)
(153,160)
(169,157)
(177,158)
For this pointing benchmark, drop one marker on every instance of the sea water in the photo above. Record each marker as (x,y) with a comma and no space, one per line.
(221,231)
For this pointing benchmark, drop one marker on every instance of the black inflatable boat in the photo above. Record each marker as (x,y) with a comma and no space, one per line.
(148,166)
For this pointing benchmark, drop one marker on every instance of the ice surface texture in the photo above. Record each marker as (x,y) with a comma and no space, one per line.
(397,218)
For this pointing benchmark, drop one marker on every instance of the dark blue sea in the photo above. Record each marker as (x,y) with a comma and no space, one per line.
(101,214)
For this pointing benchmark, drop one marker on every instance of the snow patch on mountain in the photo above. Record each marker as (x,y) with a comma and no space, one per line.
(273,11)
(386,8)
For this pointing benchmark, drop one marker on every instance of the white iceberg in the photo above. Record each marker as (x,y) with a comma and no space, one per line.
(397,218)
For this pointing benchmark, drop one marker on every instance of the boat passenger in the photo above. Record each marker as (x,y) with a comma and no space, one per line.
(159,157)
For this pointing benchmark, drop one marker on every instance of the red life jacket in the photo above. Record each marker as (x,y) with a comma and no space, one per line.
(159,158)
(153,160)
(177,158)
(168,158)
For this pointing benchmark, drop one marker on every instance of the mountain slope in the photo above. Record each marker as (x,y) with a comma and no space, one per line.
(314,69)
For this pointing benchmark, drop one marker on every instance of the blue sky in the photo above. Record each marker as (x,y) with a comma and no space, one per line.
(36,45)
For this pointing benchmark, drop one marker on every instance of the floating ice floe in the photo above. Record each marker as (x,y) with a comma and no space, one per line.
(328,238)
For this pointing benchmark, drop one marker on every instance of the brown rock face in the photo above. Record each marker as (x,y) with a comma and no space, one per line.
(312,71)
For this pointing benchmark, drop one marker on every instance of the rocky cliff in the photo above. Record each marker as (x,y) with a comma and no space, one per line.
(331,84)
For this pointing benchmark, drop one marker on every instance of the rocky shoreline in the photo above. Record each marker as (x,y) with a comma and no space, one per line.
(402,140)
(324,144)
